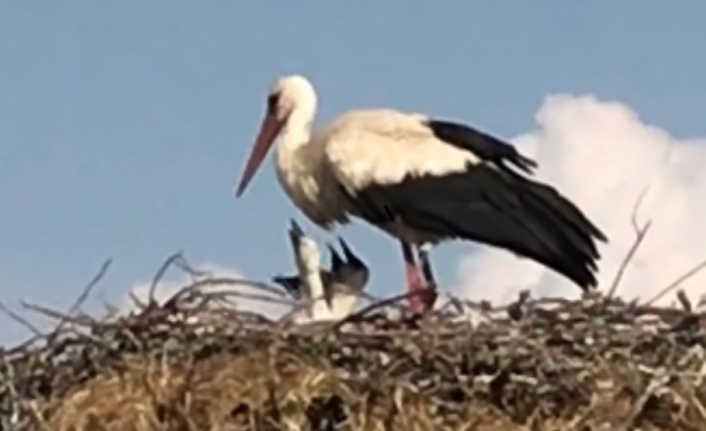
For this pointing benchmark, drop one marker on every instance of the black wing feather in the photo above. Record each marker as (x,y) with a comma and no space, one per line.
(291,284)
(483,145)
(494,207)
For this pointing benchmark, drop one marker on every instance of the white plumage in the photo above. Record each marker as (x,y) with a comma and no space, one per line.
(359,148)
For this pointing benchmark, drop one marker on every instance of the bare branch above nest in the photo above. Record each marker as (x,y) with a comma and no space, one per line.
(171,260)
(640,234)
(676,283)
(19,319)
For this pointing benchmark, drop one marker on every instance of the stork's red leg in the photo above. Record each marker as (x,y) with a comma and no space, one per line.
(422,295)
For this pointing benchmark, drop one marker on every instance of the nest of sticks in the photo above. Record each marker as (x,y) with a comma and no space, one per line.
(196,362)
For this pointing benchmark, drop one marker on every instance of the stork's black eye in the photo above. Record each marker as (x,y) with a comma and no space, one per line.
(272,102)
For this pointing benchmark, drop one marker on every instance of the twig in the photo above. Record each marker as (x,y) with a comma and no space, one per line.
(640,233)
(250,296)
(61,317)
(136,301)
(684,301)
(693,271)
(158,276)
(81,298)
(183,264)
(225,281)
(111,310)
(636,207)
(87,290)
(19,319)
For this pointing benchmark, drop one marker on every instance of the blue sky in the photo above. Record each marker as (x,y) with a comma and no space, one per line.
(124,125)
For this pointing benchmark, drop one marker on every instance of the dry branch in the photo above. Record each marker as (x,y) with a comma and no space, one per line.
(640,234)
(676,283)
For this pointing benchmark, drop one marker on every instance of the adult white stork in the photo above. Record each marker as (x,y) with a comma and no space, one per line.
(422,180)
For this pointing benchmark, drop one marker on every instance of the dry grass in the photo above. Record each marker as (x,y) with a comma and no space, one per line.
(196,363)
(255,392)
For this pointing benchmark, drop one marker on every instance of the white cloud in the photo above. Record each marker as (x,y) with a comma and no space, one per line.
(169,286)
(602,156)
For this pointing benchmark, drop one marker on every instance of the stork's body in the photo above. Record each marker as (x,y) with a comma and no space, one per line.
(330,294)
(422,181)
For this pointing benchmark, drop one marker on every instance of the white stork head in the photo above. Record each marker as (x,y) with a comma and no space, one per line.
(291,99)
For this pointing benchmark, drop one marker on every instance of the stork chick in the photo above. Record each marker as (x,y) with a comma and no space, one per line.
(332,294)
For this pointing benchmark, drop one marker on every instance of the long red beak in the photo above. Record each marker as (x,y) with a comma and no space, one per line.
(269,130)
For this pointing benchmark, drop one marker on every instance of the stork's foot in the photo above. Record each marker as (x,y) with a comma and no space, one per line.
(421,293)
